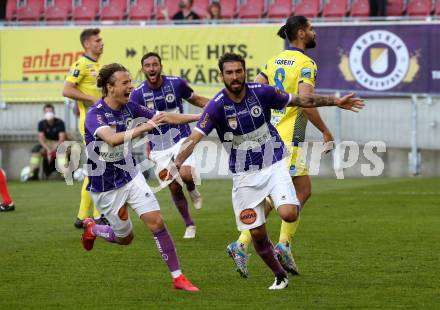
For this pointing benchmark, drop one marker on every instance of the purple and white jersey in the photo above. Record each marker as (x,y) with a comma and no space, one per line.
(168,97)
(110,167)
(244,128)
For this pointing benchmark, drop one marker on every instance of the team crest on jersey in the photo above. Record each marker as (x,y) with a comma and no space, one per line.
(256,111)
(150,104)
(170,98)
(232,122)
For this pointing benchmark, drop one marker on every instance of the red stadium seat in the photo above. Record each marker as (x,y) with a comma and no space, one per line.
(32,11)
(335,8)
(360,8)
(11,10)
(229,8)
(437,8)
(200,7)
(141,10)
(308,8)
(60,10)
(419,8)
(252,9)
(395,7)
(280,9)
(170,7)
(113,10)
(86,10)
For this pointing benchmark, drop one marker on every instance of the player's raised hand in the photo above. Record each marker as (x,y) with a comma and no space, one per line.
(349,102)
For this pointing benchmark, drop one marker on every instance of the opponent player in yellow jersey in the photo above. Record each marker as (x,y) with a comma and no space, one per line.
(80,85)
(293,71)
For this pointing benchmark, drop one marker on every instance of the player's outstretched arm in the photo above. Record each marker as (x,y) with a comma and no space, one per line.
(348,102)
(198,101)
(187,147)
(111,138)
(177,118)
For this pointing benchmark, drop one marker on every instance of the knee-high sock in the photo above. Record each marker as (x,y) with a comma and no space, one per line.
(182,205)
(245,238)
(86,203)
(166,248)
(6,199)
(105,232)
(288,230)
(265,250)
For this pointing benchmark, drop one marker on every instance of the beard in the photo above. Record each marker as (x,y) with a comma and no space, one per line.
(149,78)
(235,90)
(311,43)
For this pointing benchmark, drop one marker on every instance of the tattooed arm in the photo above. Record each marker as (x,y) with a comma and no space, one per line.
(347,102)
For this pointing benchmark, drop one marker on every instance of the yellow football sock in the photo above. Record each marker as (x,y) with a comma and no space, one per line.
(245,238)
(86,203)
(288,230)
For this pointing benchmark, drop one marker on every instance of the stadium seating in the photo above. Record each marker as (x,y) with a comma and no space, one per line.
(419,8)
(113,10)
(169,7)
(60,10)
(32,11)
(200,7)
(141,10)
(308,8)
(280,9)
(251,9)
(86,10)
(335,8)
(395,7)
(360,8)
(11,10)
(229,8)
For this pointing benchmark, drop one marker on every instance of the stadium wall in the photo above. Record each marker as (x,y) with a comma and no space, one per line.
(33,62)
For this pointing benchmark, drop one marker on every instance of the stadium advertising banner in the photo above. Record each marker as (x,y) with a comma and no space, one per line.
(34,61)
(382,58)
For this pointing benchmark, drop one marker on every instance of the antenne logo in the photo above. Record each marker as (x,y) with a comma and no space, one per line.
(379,60)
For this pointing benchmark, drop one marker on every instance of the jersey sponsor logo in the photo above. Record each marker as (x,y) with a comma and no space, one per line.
(252,99)
(170,98)
(379,60)
(204,121)
(167,88)
(150,104)
(306,73)
(159,98)
(149,94)
(76,73)
(248,216)
(99,119)
(256,111)
(106,114)
(284,62)
(232,122)
(242,112)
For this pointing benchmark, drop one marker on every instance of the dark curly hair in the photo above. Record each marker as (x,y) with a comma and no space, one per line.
(105,76)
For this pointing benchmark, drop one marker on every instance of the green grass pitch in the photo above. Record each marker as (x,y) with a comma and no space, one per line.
(362,243)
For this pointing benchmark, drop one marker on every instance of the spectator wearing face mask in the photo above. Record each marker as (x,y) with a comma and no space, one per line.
(51,133)
(185,12)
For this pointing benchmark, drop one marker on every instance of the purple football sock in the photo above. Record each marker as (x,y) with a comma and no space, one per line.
(182,205)
(105,232)
(265,250)
(166,248)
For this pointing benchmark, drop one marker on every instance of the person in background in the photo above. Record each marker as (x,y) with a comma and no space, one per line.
(214,11)
(185,12)
(51,133)
(378,7)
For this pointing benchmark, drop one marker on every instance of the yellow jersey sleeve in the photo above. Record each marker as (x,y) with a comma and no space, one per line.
(307,73)
(76,73)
